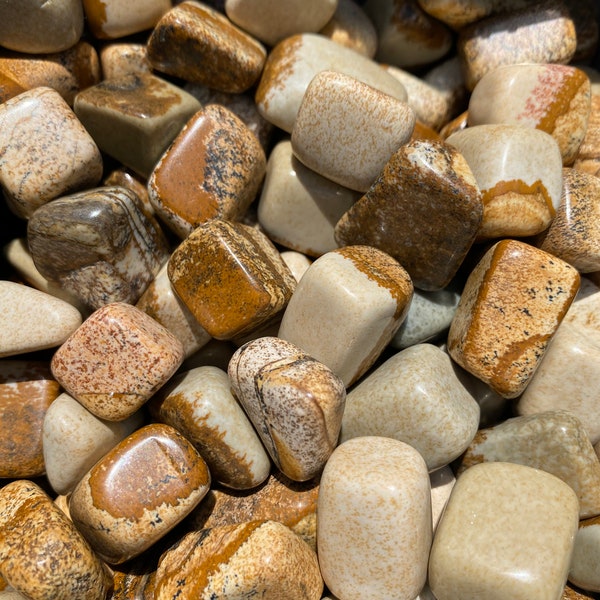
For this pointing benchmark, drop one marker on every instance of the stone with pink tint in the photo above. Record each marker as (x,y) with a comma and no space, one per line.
(333,109)
(116,360)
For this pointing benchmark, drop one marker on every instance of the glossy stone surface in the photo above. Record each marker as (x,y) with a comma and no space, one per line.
(334,107)
(261,559)
(35,533)
(138,492)
(32,320)
(519,173)
(213,169)
(553,441)
(200,405)
(346,308)
(531,290)
(27,390)
(584,571)
(116,360)
(424,209)
(297,262)
(294,402)
(414,397)
(197,43)
(135,118)
(374,520)
(230,277)
(98,244)
(46,152)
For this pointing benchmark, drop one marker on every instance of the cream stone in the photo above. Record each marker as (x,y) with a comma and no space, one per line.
(585,571)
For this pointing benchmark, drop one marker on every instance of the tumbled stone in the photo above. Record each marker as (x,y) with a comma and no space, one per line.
(120,59)
(540,32)
(27,391)
(448,79)
(197,43)
(295,61)
(588,157)
(584,571)
(200,405)
(33,320)
(519,173)
(9,88)
(135,118)
(374,520)
(346,308)
(324,138)
(39,26)
(271,21)
(34,534)
(442,483)
(138,492)
(574,234)
(297,263)
(109,19)
(212,170)
(124,177)
(116,360)
(553,98)
(262,559)
(98,244)
(572,593)
(46,151)
(298,208)
(230,277)
(424,210)
(414,397)
(74,440)
(507,531)
(553,441)
(530,291)
(294,402)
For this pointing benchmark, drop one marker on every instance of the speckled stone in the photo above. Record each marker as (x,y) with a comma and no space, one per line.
(448,79)
(262,559)
(138,492)
(120,59)
(553,98)
(74,440)
(39,26)
(212,170)
(297,263)
(98,245)
(519,173)
(135,118)
(574,234)
(414,397)
(68,72)
(529,291)
(351,27)
(109,19)
(27,390)
(588,157)
(46,152)
(407,36)
(196,43)
(334,107)
(271,21)
(295,61)
(584,571)
(294,402)
(33,320)
(541,32)
(298,208)
(116,360)
(553,441)
(374,520)
(200,405)
(507,532)
(424,210)
(35,533)
(230,277)
(346,308)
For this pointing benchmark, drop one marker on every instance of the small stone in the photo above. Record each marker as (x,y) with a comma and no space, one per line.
(121,59)
(416,398)
(196,43)
(124,177)
(588,157)
(32,320)
(116,360)
(336,106)
(374,520)
(138,492)
(584,571)
(297,263)
(507,531)
(442,483)
(448,79)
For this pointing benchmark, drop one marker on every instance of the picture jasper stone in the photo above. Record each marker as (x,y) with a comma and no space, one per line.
(138,492)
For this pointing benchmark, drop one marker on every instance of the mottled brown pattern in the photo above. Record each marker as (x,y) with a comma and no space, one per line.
(95,11)
(588,158)
(417,26)
(572,593)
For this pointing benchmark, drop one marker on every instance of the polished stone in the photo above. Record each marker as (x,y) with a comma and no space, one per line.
(584,571)
(119,59)
(588,157)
